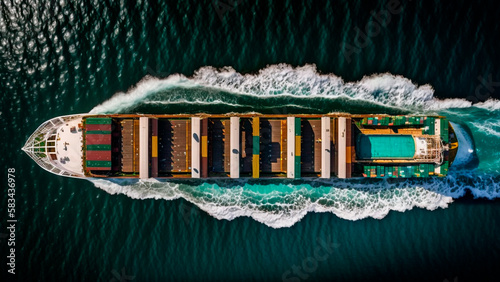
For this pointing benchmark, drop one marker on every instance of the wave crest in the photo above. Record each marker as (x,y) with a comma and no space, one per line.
(300,82)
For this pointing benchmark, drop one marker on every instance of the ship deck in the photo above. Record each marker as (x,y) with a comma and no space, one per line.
(56,145)
(261,146)
(69,146)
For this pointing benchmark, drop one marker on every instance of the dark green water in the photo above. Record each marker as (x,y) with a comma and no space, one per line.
(68,57)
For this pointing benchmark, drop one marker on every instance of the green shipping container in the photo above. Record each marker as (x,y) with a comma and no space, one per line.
(366,170)
(421,168)
(98,164)
(410,171)
(444,130)
(98,132)
(415,171)
(401,171)
(424,170)
(430,169)
(428,126)
(444,168)
(431,126)
(98,120)
(100,147)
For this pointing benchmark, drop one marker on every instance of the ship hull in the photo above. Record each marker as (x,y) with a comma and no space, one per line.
(250,145)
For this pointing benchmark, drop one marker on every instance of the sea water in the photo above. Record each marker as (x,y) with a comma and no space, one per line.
(68,57)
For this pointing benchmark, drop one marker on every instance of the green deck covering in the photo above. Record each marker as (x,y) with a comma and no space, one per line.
(444,130)
(100,147)
(98,164)
(98,120)
(256,145)
(385,146)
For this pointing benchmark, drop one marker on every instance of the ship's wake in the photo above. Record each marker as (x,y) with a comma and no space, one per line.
(283,204)
(284,89)
(294,86)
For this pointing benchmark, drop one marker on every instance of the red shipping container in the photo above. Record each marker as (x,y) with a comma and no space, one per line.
(96,127)
(98,156)
(96,139)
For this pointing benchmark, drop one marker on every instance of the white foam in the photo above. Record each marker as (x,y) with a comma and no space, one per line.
(454,103)
(491,104)
(191,102)
(271,81)
(283,205)
(489,127)
(147,86)
(183,101)
(300,82)
(291,203)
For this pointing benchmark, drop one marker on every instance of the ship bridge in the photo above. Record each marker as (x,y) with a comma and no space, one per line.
(56,145)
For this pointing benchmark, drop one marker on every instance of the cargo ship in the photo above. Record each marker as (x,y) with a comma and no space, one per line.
(251,145)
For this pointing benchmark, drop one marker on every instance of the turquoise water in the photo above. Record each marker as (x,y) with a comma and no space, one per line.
(60,58)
